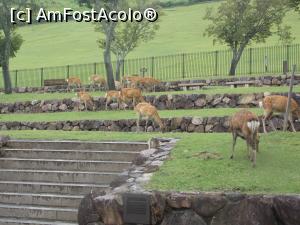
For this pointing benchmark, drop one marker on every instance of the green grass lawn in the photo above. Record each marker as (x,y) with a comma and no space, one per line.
(277,168)
(20,97)
(75,43)
(118,115)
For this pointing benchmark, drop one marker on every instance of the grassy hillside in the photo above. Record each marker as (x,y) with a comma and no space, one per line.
(74,43)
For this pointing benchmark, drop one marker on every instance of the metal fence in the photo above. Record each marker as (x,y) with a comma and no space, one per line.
(206,65)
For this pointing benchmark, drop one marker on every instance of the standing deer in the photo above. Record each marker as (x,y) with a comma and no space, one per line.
(245,124)
(111,96)
(148,111)
(86,98)
(97,80)
(278,103)
(73,81)
(133,94)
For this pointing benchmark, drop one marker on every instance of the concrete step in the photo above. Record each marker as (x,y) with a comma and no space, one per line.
(57,164)
(70,154)
(38,212)
(50,188)
(57,176)
(22,221)
(78,145)
(55,200)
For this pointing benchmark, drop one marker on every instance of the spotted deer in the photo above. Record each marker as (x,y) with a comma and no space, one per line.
(148,111)
(73,81)
(97,80)
(86,98)
(134,94)
(278,103)
(112,96)
(245,124)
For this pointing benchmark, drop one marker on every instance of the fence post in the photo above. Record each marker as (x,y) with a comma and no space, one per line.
(250,62)
(68,71)
(152,66)
(183,66)
(16,79)
(95,68)
(42,76)
(216,62)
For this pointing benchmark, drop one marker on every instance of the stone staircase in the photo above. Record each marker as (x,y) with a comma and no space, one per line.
(43,182)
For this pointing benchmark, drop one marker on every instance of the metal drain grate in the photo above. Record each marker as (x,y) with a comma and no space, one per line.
(136,208)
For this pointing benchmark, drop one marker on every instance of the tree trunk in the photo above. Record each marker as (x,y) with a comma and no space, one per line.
(6,77)
(107,57)
(236,56)
(5,63)
(118,68)
(109,70)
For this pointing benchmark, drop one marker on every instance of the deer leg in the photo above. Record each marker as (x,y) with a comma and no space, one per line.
(291,121)
(248,150)
(267,116)
(85,105)
(253,158)
(138,123)
(234,136)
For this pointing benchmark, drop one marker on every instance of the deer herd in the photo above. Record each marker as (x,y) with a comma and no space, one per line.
(244,124)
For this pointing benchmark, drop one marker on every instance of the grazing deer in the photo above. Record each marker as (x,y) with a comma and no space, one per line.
(131,81)
(111,96)
(148,111)
(133,94)
(97,80)
(245,124)
(278,103)
(73,81)
(86,98)
(149,82)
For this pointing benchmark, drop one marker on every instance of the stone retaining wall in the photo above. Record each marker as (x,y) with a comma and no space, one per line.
(162,102)
(270,80)
(200,209)
(185,124)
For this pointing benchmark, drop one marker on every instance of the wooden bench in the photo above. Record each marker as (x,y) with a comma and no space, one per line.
(235,84)
(55,82)
(188,85)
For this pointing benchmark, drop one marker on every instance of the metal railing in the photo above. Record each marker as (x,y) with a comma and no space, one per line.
(198,65)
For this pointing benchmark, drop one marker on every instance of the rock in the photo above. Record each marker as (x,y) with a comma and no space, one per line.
(197,121)
(63,107)
(183,217)
(226,100)
(217,101)
(288,209)
(87,211)
(251,211)
(4,140)
(109,209)
(22,89)
(158,206)
(179,201)
(143,156)
(201,102)
(246,99)
(207,205)
(114,106)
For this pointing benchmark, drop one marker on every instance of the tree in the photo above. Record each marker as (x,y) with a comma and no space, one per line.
(10,41)
(130,34)
(237,23)
(108,29)
(295,4)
